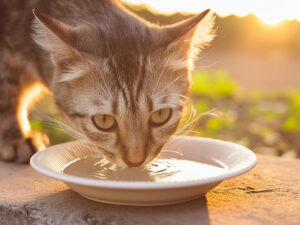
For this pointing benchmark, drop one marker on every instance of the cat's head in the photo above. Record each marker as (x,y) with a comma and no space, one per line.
(121,81)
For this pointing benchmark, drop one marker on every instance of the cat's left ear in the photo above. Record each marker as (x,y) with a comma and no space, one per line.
(56,37)
(190,36)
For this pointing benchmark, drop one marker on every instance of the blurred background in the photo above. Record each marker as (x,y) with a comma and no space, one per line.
(250,74)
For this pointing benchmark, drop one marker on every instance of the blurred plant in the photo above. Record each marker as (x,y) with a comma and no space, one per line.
(265,122)
(216,84)
(39,121)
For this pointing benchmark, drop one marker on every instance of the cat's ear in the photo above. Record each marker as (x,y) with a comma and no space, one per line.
(189,36)
(56,37)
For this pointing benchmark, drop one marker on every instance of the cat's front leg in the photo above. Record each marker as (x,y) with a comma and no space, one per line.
(17,147)
(17,141)
(19,84)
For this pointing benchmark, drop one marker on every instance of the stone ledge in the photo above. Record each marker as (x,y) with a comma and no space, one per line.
(269,194)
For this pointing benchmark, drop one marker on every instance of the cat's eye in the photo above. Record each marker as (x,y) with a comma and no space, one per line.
(161,116)
(104,122)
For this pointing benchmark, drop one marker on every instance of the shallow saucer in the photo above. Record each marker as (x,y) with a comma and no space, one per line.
(233,158)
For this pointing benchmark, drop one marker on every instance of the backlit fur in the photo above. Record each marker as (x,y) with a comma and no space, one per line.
(104,60)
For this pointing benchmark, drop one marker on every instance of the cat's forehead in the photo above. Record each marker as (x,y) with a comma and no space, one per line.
(132,63)
(122,103)
(135,72)
(118,37)
(133,82)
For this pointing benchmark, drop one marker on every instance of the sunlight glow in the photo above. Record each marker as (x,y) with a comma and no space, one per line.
(270,12)
(270,20)
(29,96)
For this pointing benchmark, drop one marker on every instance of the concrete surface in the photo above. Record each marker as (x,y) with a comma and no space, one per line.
(268,195)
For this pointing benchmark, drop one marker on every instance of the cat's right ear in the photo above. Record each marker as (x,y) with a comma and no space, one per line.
(188,37)
(56,37)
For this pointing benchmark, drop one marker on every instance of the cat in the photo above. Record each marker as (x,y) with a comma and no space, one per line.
(116,79)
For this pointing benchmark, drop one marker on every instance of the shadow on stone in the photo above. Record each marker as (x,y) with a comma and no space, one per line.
(70,208)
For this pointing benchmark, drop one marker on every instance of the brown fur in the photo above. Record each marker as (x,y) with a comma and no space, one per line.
(96,58)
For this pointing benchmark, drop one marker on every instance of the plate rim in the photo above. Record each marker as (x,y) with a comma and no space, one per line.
(138,185)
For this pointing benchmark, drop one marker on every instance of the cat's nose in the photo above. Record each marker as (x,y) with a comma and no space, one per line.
(134,161)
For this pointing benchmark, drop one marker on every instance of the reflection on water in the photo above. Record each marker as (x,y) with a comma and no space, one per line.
(160,170)
(157,170)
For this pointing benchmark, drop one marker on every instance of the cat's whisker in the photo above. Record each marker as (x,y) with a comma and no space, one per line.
(169,84)
(66,131)
(181,96)
(191,116)
(67,128)
(106,86)
(51,121)
(107,91)
(171,105)
(188,133)
(104,91)
(76,134)
(194,120)
(165,62)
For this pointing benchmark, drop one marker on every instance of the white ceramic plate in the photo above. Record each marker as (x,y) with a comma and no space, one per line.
(235,160)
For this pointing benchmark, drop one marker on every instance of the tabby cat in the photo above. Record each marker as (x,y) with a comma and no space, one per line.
(116,79)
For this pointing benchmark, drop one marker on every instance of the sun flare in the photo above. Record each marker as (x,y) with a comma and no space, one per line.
(271,12)
(28,97)
(269,20)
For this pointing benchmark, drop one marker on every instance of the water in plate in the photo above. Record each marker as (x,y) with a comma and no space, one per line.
(160,170)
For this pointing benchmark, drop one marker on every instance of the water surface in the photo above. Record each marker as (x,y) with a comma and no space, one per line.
(160,170)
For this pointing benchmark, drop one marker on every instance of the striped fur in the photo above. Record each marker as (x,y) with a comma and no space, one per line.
(102,59)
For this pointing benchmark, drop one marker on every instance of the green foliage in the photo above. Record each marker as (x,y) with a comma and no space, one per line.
(294,108)
(56,135)
(213,84)
(40,122)
(214,126)
(202,106)
(291,124)
(255,119)
(36,125)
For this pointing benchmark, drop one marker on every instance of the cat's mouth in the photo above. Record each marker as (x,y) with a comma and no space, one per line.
(122,160)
